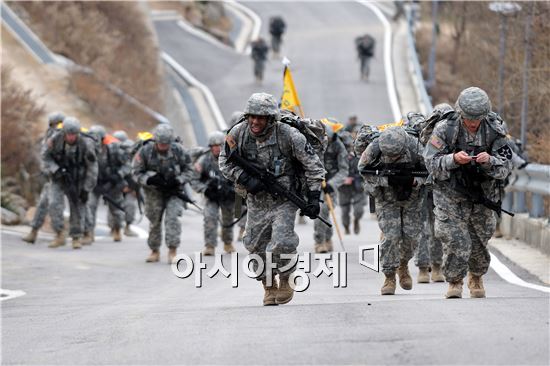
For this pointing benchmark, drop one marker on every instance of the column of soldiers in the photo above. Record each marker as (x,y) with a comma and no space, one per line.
(437,186)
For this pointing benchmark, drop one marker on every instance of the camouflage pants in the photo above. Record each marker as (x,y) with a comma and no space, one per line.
(464,229)
(321,232)
(403,229)
(157,207)
(57,206)
(429,251)
(270,228)
(42,207)
(115,217)
(211,216)
(130,208)
(350,198)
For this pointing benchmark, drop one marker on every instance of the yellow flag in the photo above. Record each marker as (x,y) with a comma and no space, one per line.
(383,127)
(144,136)
(332,123)
(290,100)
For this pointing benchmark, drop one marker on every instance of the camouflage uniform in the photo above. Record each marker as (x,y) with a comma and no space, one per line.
(464,227)
(113,167)
(270,224)
(336,166)
(130,203)
(400,218)
(80,162)
(219,196)
(175,164)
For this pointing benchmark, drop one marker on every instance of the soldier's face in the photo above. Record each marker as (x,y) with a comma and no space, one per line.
(216,149)
(162,148)
(472,125)
(71,138)
(257,123)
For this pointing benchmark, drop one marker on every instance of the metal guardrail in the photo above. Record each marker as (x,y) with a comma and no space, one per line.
(534,179)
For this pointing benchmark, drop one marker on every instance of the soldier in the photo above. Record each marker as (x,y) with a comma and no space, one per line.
(284,151)
(42,207)
(70,160)
(467,154)
(336,166)
(162,168)
(352,126)
(365,51)
(351,193)
(219,194)
(259,56)
(114,168)
(130,196)
(277,28)
(399,201)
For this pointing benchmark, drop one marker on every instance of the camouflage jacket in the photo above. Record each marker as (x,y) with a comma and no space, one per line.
(336,163)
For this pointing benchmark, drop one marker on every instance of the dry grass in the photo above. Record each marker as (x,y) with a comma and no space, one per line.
(20,114)
(468,54)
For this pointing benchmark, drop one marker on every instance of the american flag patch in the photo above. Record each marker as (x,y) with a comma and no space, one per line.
(436,142)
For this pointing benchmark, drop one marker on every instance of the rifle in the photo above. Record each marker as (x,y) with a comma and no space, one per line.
(103,191)
(479,198)
(70,184)
(179,192)
(134,186)
(275,189)
(388,171)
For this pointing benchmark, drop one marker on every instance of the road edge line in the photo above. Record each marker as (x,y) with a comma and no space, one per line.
(506,274)
(256,20)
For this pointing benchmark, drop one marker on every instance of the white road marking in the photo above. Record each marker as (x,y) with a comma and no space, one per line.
(255,20)
(10,294)
(506,274)
(203,35)
(388,65)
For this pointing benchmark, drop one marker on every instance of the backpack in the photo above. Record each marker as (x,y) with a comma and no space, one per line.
(365,45)
(366,135)
(277,26)
(312,129)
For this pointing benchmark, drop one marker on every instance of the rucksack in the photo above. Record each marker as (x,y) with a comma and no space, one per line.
(365,45)
(312,129)
(277,26)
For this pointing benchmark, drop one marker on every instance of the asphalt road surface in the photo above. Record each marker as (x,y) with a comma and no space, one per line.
(104,305)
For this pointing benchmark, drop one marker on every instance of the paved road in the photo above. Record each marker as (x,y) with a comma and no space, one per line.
(105,305)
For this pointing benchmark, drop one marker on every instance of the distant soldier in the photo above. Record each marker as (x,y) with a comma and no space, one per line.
(399,200)
(336,167)
(71,162)
(113,169)
(43,202)
(130,205)
(259,56)
(352,126)
(219,194)
(162,168)
(277,28)
(351,195)
(467,154)
(365,51)
(284,151)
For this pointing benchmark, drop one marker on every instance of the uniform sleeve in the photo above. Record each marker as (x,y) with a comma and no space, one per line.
(312,165)
(343,166)
(437,155)
(186,167)
(139,170)
(229,169)
(367,159)
(49,165)
(92,168)
(500,164)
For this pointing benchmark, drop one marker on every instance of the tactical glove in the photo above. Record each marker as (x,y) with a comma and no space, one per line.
(156,180)
(252,184)
(313,207)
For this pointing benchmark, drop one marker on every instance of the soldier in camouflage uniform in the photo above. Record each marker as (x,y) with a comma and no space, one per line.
(336,166)
(161,167)
(219,196)
(352,126)
(43,202)
(235,118)
(70,160)
(130,204)
(283,150)
(351,194)
(114,167)
(467,154)
(399,202)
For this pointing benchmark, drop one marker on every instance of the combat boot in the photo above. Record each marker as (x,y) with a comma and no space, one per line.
(328,245)
(58,241)
(228,247)
(129,232)
(116,235)
(437,275)
(475,284)
(356,227)
(270,293)
(320,248)
(172,251)
(154,256)
(87,239)
(498,233)
(76,243)
(209,250)
(388,288)
(31,237)
(423,275)
(346,229)
(405,279)
(285,292)
(455,290)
